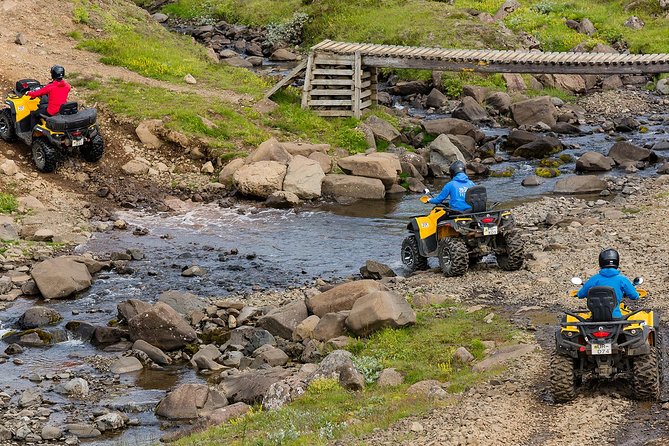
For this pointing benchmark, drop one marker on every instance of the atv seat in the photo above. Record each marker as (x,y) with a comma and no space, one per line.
(601,301)
(79,120)
(477,198)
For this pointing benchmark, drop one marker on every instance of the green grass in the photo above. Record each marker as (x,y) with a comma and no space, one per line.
(326,412)
(423,22)
(8,203)
(133,42)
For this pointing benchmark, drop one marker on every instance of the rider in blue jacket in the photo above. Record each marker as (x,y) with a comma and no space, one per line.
(609,275)
(455,189)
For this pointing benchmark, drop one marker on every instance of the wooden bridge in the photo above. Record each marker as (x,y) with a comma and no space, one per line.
(341,77)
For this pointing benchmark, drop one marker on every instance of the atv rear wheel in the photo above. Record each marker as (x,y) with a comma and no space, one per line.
(513,258)
(93,152)
(563,378)
(453,256)
(7,131)
(646,376)
(411,257)
(44,155)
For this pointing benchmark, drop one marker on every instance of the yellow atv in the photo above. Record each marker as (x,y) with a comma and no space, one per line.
(54,136)
(459,240)
(594,344)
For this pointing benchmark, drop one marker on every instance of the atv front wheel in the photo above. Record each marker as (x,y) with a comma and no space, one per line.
(7,131)
(646,376)
(563,378)
(512,259)
(44,155)
(411,257)
(453,257)
(93,152)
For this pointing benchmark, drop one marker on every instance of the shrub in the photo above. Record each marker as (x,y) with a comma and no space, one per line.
(8,203)
(369,367)
(291,32)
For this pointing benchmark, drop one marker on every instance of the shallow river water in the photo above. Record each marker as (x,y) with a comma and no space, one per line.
(274,249)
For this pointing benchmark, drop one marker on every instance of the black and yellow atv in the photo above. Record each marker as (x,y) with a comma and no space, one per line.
(54,136)
(594,344)
(459,240)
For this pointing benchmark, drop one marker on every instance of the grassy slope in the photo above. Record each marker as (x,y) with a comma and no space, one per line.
(327,412)
(424,22)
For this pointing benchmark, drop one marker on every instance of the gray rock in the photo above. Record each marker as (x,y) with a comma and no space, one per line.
(51,433)
(463,355)
(430,389)
(499,101)
(625,153)
(206,357)
(250,387)
(348,186)
(82,430)
(6,284)
(283,200)
(183,303)
(436,99)
(131,308)
(305,329)
(339,365)
(382,129)
(270,355)
(233,359)
(126,364)
(154,353)
(390,378)
(38,317)
(111,421)
(60,277)
(634,22)
(283,55)
(470,110)
(379,310)
(532,180)
(249,339)
(376,270)
(662,86)
(77,387)
(282,321)
(540,148)
(532,111)
(342,297)
(452,126)
(331,325)
(594,162)
(188,400)
(160,17)
(30,397)
(162,327)
(194,271)
(580,184)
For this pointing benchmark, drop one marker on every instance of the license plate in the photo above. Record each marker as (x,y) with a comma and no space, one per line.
(490,230)
(77,142)
(601,349)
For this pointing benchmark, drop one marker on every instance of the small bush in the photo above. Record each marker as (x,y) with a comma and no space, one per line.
(291,32)
(369,367)
(547,172)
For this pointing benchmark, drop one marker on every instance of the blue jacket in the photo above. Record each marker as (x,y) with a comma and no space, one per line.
(456,190)
(611,277)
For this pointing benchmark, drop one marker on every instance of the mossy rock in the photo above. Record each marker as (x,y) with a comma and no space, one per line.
(547,172)
(216,336)
(506,173)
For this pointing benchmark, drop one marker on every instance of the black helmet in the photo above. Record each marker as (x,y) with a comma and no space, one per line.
(609,258)
(456,168)
(57,73)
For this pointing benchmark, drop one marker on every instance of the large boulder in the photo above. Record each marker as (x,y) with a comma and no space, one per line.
(188,400)
(416,160)
(304,178)
(323,159)
(283,321)
(146,132)
(330,326)
(436,99)
(371,166)
(162,327)
(342,297)
(452,126)
(594,162)
(38,316)
(499,101)
(249,339)
(465,144)
(625,153)
(532,111)
(379,310)
(339,365)
(270,150)
(60,277)
(260,179)
(573,83)
(519,138)
(304,149)
(251,387)
(580,184)
(154,353)
(406,88)
(349,186)
(470,110)
(540,148)
(131,308)
(283,200)
(183,303)
(382,129)
(443,152)
(225,177)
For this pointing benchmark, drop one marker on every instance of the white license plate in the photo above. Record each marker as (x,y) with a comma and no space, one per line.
(490,230)
(601,349)
(77,142)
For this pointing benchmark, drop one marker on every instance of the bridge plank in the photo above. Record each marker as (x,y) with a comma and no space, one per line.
(287,80)
(333,82)
(331,92)
(330,102)
(332,72)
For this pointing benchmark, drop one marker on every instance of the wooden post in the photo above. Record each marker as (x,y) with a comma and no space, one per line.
(357,84)
(308,75)
(375,86)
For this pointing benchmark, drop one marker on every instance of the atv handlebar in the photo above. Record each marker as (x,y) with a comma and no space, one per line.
(642,293)
(424,199)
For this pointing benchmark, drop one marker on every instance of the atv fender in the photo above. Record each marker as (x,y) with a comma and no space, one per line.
(427,247)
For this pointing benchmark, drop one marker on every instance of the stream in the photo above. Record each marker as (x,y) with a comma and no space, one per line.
(244,248)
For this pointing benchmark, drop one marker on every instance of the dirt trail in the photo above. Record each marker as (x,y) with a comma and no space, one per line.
(517,408)
(47,44)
